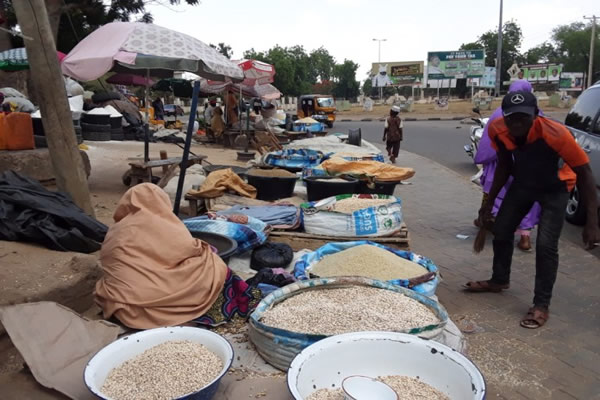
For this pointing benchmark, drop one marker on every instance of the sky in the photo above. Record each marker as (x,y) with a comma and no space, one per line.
(346,28)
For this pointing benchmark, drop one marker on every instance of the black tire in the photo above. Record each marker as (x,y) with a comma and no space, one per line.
(576,213)
(38,127)
(355,137)
(78,130)
(116,122)
(129,136)
(97,136)
(94,127)
(79,139)
(105,96)
(95,119)
(117,136)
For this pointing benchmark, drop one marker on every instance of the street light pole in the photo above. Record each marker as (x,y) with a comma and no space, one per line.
(591,64)
(379,61)
(499,55)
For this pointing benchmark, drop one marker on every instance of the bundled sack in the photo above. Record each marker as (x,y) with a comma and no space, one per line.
(279,216)
(425,284)
(248,232)
(367,169)
(294,158)
(271,255)
(353,215)
(221,181)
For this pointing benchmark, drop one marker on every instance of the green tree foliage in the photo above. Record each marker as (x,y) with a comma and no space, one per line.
(223,48)
(72,20)
(512,36)
(572,44)
(542,53)
(298,72)
(345,78)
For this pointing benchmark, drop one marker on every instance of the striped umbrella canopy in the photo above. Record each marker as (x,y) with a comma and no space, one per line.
(265,92)
(16,59)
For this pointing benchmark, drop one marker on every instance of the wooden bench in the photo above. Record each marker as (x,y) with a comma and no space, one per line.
(141,171)
(300,240)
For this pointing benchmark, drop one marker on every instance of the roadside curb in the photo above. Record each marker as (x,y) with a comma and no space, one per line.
(409,119)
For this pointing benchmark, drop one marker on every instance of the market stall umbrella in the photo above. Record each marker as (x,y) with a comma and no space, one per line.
(130,80)
(257,72)
(265,92)
(140,47)
(16,59)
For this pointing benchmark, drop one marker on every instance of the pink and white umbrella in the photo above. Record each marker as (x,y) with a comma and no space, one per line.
(257,72)
(140,46)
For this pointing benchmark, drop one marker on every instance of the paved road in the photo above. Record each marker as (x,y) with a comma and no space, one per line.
(441,141)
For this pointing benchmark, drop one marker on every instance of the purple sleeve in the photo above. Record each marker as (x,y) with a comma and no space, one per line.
(485,151)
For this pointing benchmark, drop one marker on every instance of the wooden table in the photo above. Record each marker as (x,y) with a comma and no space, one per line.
(141,171)
(300,240)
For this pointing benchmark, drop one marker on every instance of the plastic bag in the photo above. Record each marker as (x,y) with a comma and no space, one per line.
(271,255)
(319,218)
(300,158)
(425,285)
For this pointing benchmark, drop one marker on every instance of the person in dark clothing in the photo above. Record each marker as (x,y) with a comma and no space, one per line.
(392,133)
(159,109)
(545,162)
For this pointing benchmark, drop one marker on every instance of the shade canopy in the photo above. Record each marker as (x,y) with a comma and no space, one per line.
(140,46)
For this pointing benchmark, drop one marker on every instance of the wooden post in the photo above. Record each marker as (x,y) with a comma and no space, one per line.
(163,156)
(54,106)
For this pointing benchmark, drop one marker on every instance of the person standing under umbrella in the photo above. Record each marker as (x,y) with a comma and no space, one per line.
(159,109)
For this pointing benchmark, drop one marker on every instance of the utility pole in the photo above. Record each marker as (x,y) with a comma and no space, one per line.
(499,55)
(54,106)
(591,64)
(379,61)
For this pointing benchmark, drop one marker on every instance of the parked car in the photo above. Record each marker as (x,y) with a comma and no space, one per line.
(584,122)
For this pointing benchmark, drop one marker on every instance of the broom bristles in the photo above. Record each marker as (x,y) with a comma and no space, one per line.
(479,242)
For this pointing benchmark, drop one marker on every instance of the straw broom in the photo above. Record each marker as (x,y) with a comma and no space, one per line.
(479,242)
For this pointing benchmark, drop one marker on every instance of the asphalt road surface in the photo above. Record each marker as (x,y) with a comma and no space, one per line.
(442,142)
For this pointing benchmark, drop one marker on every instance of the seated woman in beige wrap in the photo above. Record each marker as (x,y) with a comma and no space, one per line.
(156,274)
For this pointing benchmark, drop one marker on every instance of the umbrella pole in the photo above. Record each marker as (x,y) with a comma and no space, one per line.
(147,122)
(186,149)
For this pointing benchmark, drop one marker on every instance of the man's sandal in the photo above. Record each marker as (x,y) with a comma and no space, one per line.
(484,286)
(535,318)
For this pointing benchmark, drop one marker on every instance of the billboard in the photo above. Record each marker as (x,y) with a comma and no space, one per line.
(455,64)
(396,73)
(541,73)
(571,81)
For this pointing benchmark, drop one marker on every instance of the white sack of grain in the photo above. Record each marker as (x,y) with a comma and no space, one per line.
(353,216)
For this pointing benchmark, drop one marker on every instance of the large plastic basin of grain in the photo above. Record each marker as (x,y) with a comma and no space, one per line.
(304,312)
(371,260)
(413,367)
(179,362)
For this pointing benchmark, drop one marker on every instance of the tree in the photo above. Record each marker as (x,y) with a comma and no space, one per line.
(512,36)
(322,64)
(542,53)
(346,85)
(572,43)
(367,87)
(72,20)
(224,49)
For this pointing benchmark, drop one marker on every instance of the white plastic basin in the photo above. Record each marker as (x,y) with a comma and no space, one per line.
(130,346)
(326,363)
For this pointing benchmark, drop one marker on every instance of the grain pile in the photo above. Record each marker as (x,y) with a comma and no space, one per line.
(167,371)
(348,309)
(333,180)
(348,206)
(271,173)
(368,261)
(406,387)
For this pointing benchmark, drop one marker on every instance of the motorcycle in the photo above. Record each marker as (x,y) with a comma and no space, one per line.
(476,133)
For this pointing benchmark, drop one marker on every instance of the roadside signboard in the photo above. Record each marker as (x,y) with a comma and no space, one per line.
(455,64)
(397,73)
(542,73)
(571,81)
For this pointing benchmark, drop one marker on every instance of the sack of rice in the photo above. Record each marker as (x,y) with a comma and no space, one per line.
(360,215)
(370,260)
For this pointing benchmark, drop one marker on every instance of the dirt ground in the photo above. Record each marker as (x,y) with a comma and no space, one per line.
(460,108)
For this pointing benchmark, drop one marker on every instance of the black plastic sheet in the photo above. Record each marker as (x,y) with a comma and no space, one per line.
(30,213)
